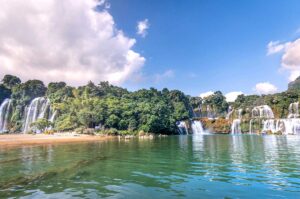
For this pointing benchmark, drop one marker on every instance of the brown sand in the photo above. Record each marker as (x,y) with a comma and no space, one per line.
(39,139)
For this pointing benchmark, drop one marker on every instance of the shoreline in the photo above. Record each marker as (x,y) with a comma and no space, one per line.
(7,140)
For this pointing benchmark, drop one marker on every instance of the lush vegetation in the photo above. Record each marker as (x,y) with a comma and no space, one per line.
(113,109)
(101,106)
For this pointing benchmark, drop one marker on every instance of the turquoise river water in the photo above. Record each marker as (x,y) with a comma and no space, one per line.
(204,166)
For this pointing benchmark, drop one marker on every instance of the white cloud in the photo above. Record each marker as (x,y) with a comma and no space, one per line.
(68,40)
(265,88)
(276,47)
(206,94)
(290,59)
(231,96)
(142,27)
(167,74)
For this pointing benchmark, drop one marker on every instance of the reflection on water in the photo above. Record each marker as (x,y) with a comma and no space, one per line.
(247,166)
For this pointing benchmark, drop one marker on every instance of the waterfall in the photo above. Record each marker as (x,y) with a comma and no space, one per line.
(5,109)
(250,126)
(52,116)
(182,127)
(293,110)
(286,126)
(229,112)
(236,126)
(269,125)
(36,110)
(263,111)
(197,127)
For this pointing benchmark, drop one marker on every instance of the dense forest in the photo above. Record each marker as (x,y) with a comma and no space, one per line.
(104,106)
(114,109)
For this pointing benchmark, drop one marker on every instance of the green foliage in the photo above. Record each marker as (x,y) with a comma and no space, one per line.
(24,93)
(40,124)
(4,93)
(58,91)
(10,81)
(217,102)
(147,110)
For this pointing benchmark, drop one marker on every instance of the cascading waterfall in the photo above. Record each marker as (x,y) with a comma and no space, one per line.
(5,110)
(36,110)
(286,126)
(291,125)
(294,110)
(269,125)
(182,127)
(197,127)
(236,123)
(250,126)
(229,112)
(263,111)
(52,116)
(236,126)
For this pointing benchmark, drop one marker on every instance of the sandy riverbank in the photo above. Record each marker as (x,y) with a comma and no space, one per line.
(26,139)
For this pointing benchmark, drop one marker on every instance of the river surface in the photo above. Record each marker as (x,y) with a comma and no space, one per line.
(204,166)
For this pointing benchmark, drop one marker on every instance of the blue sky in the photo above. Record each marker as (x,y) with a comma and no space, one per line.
(210,45)
(194,46)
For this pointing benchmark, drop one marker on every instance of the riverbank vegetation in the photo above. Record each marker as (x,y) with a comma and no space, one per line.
(112,110)
(102,106)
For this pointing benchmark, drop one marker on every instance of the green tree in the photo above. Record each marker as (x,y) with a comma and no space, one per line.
(41,124)
(10,81)
(4,93)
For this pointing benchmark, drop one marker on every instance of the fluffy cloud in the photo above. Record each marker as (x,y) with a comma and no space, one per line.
(231,96)
(265,88)
(206,94)
(142,27)
(68,40)
(290,59)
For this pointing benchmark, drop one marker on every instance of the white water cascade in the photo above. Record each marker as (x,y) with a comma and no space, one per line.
(250,126)
(236,126)
(36,110)
(5,110)
(286,126)
(236,123)
(197,127)
(263,111)
(229,112)
(294,110)
(182,127)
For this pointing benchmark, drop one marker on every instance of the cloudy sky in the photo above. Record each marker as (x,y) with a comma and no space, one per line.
(195,46)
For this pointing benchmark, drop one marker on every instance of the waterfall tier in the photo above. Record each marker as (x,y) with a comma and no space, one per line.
(263,111)
(286,126)
(38,109)
(197,127)
(236,126)
(294,110)
(5,110)
(182,128)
